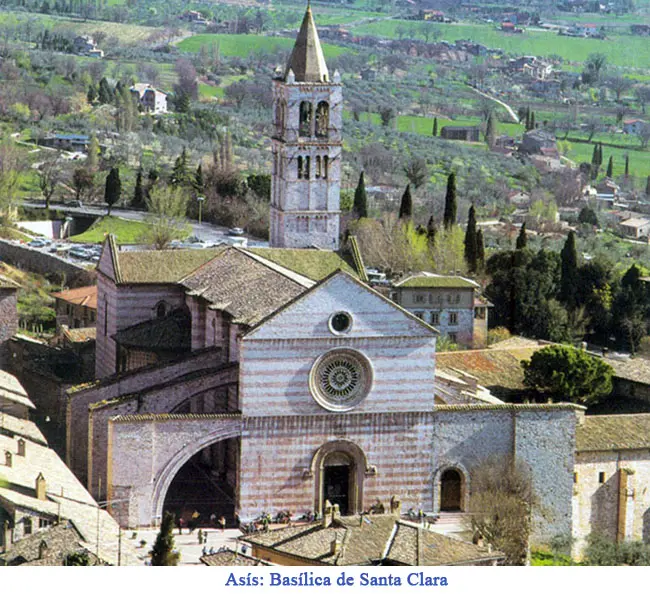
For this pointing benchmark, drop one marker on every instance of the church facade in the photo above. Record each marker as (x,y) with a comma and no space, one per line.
(242,381)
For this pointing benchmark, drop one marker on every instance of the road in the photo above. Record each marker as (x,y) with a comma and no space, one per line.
(205,232)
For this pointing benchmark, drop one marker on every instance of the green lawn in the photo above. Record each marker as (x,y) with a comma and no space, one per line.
(639,160)
(244,45)
(209,91)
(124,231)
(622,50)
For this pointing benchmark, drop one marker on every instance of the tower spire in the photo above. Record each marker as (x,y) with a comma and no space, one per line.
(307,61)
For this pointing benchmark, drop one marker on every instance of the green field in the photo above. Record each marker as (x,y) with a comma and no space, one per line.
(244,45)
(124,231)
(621,50)
(639,160)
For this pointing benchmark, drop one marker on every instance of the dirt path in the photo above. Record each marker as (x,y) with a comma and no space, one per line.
(511,113)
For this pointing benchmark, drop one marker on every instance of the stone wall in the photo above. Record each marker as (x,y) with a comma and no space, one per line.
(8,323)
(26,258)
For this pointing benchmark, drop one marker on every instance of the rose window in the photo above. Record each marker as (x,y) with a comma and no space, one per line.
(340,379)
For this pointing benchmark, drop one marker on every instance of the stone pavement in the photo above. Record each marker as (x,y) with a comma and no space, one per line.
(187,544)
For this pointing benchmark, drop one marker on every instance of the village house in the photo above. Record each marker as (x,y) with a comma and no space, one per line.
(633,126)
(465,133)
(452,304)
(150,99)
(635,228)
(85,45)
(76,308)
(539,142)
(77,143)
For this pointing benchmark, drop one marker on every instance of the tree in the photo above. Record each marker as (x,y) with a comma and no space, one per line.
(627,166)
(167,207)
(610,167)
(588,216)
(138,192)
(406,205)
(566,373)
(416,172)
(501,505)
(92,161)
(569,279)
(113,188)
(361,198)
(187,79)
(163,553)
(104,93)
(619,84)
(644,135)
(471,255)
(431,230)
(595,64)
(647,186)
(522,240)
(491,130)
(434,132)
(449,216)
(199,183)
(49,176)
(480,251)
(79,559)
(180,172)
(82,181)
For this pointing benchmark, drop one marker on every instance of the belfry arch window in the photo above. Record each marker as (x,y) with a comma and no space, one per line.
(326,162)
(322,119)
(306,116)
(318,172)
(301,166)
(305,171)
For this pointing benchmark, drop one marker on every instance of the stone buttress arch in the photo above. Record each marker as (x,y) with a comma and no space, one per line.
(164,477)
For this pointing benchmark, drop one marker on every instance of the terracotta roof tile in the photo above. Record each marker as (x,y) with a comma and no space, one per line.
(86,296)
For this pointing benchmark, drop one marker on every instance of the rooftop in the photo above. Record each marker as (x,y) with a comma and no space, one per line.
(86,296)
(370,540)
(613,432)
(307,61)
(229,558)
(171,333)
(436,281)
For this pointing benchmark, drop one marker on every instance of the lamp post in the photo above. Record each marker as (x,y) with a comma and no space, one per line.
(200,199)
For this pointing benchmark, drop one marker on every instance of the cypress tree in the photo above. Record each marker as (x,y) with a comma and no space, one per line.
(647,186)
(480,251)
(105,93)
(610,167)
(522,239)
(569,277)
(113,188)
(180,175)
(360,206)
(435,127)
(491,130)
(92,161)
(449,216)
(406,206)
(600,154)
(431,230)
(138,192)
(470,241)
(627,165)
(532,120)
(199,184)
(162,553)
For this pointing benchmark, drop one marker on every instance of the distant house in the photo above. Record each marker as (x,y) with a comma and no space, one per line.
(508,27)
(539,142)
(194,17)
(633,126)
(466,133)
(436,16)
(583,30)
(76,308)
(640,29)
(67,142)
(150,99)
(635,228)
(85,45)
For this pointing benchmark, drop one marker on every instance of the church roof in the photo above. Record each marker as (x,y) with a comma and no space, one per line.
(613,432)
(429,280)
(314,264)
(307,61)
(243,286)
(171,333)
(230,558)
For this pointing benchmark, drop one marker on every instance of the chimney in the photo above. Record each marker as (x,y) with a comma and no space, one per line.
(327,515)
(335,546)
(8,458)
(336,512)
(21,447)
(40,487)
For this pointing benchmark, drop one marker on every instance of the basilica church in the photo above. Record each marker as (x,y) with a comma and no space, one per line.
(240,381)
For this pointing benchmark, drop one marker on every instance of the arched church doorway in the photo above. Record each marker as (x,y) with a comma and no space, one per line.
(451,490)
(339,481)
(205,487)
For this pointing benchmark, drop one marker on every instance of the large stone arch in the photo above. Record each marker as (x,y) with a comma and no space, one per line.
(361,469)
(164,477)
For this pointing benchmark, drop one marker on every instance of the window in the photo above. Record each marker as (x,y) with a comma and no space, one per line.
(453,318)
(418,298)
(318,168)
(27,525)
(575,478)
(322,119)
(420,314)
(161,310)
(305,171)
(300,167)
(601,477)
(105,317)
(479,313)
(43,523)
(453,337)
(306,112)
(326,162)
(340,322)
(435,318)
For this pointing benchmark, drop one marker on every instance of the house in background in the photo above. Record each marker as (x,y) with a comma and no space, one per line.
(635,228)
(149,98)
(77,143)
(633,126)
(84,45)
(76,308)
(465,133)
(451,304)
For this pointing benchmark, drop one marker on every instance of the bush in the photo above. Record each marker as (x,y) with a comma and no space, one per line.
(498,334)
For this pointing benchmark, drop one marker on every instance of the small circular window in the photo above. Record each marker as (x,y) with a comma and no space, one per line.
(341,322)
(340,379)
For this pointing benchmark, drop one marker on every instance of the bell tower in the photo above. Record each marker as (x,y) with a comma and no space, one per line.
(306,170)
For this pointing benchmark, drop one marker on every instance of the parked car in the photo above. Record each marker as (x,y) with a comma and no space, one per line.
(39,242)
(236,231)
(79,252)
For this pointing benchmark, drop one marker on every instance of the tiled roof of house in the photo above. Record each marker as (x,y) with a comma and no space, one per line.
(86,296)
(369,540)
(613,432)
(171,333)
(230,558)
(12,390)
(48,547)
(436,281)
(635,369)
(79,335)
(242,286)
(11,426)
